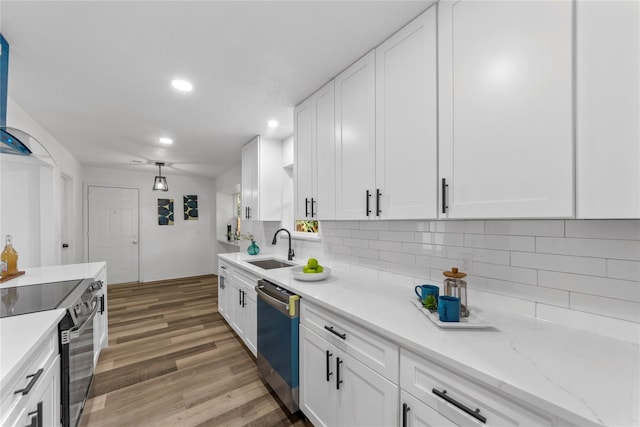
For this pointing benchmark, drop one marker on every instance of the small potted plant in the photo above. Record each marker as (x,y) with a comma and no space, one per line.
(430,303)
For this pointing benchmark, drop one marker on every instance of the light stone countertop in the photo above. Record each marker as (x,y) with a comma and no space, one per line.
(20,335)
(583,378)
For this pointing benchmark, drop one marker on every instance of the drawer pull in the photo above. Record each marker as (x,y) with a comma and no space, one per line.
(475,414)
(329,354)
(336,333)
(338,380)
(36,417)
(405,410)
(32,382)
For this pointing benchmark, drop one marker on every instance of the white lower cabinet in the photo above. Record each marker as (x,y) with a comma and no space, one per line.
(463,402)
(414,413)
(32,395)
(100,321)
(338,390)
(239,304)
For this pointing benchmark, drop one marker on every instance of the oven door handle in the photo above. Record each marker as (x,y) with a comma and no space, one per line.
(78,330)
(281,306)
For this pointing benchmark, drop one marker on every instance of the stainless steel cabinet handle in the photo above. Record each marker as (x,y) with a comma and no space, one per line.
(32,382)
(475,414)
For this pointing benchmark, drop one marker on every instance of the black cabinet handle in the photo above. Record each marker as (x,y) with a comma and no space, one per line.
(329,354)
(306,207)
(312,203)
(368,211)
(101,304)
(32,382)
(244,295)
(405,410)
(338,380)
(378,194)
(36,419)
(475,414)
(334,332)
(239,297)
(445,186)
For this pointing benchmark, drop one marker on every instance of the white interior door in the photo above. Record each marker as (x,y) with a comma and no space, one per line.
(66,226)
(113,231)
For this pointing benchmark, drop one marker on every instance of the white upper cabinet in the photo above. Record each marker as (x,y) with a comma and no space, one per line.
(262,179)
(355,139)
(314,130)
(406,121)
(506,109)
(608,109)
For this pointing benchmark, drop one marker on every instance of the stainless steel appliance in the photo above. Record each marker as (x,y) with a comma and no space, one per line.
(79,297)
(278,329)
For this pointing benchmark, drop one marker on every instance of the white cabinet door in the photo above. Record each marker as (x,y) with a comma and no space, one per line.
(223,291)
(608,109)
(305,162)
(324,205)
(406,121)
(355,139)
(44,400)
(262,179)
(506,119)
(100,321)
(237,311)
(414,413)
(318,397)
(250,173)
(251,321)
(365,398)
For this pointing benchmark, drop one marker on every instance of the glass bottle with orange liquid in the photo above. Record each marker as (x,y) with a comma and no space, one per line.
(9,258)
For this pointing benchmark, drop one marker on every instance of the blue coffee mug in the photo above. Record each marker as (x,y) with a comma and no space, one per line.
(424,291)
(449,309)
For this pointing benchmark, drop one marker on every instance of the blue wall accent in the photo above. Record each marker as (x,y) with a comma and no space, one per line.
(4,78)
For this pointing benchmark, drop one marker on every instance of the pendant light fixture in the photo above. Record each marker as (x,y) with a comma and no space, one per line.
(160,183)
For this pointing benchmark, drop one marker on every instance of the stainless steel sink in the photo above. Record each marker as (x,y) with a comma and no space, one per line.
(269,264)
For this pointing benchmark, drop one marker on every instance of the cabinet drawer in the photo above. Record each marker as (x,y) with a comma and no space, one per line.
(425,380)
(246,280)
(40,358)
(369,348)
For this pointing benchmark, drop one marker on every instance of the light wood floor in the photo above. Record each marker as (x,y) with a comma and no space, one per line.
(173,361)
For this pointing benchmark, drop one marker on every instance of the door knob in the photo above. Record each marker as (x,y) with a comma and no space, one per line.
(135,241)
(65,245)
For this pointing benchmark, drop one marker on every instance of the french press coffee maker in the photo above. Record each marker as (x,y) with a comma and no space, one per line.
(456,287)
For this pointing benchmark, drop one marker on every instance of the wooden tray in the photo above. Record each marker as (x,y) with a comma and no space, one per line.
(6,279)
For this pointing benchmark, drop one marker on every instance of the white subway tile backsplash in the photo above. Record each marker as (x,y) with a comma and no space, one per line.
(509,243)
(397,257)
(626,270)
(602,325)
(424,249)
(364,234)
(567,264)
(613,288)
(502,272)
(480,255)
(452,239)
(528,292)
(553,228)
(479,300)
(628,229)
(385,246)
(396,236)
(374,225)
(619,309)
(457,226)
(600,248)
(409,225)
(567,271)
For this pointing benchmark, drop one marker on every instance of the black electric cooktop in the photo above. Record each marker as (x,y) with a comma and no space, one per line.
(32,298)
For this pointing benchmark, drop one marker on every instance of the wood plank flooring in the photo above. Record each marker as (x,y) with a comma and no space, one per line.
(173,361)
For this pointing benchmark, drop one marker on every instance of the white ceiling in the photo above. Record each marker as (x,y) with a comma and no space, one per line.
(96,75)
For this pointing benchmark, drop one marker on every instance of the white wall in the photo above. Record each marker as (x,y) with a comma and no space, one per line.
(36,225)
(186,248)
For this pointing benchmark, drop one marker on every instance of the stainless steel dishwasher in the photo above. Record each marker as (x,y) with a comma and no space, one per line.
(278,323)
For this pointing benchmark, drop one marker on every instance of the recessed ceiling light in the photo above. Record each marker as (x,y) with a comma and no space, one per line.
(182,85)
(272,123)
(166,140)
